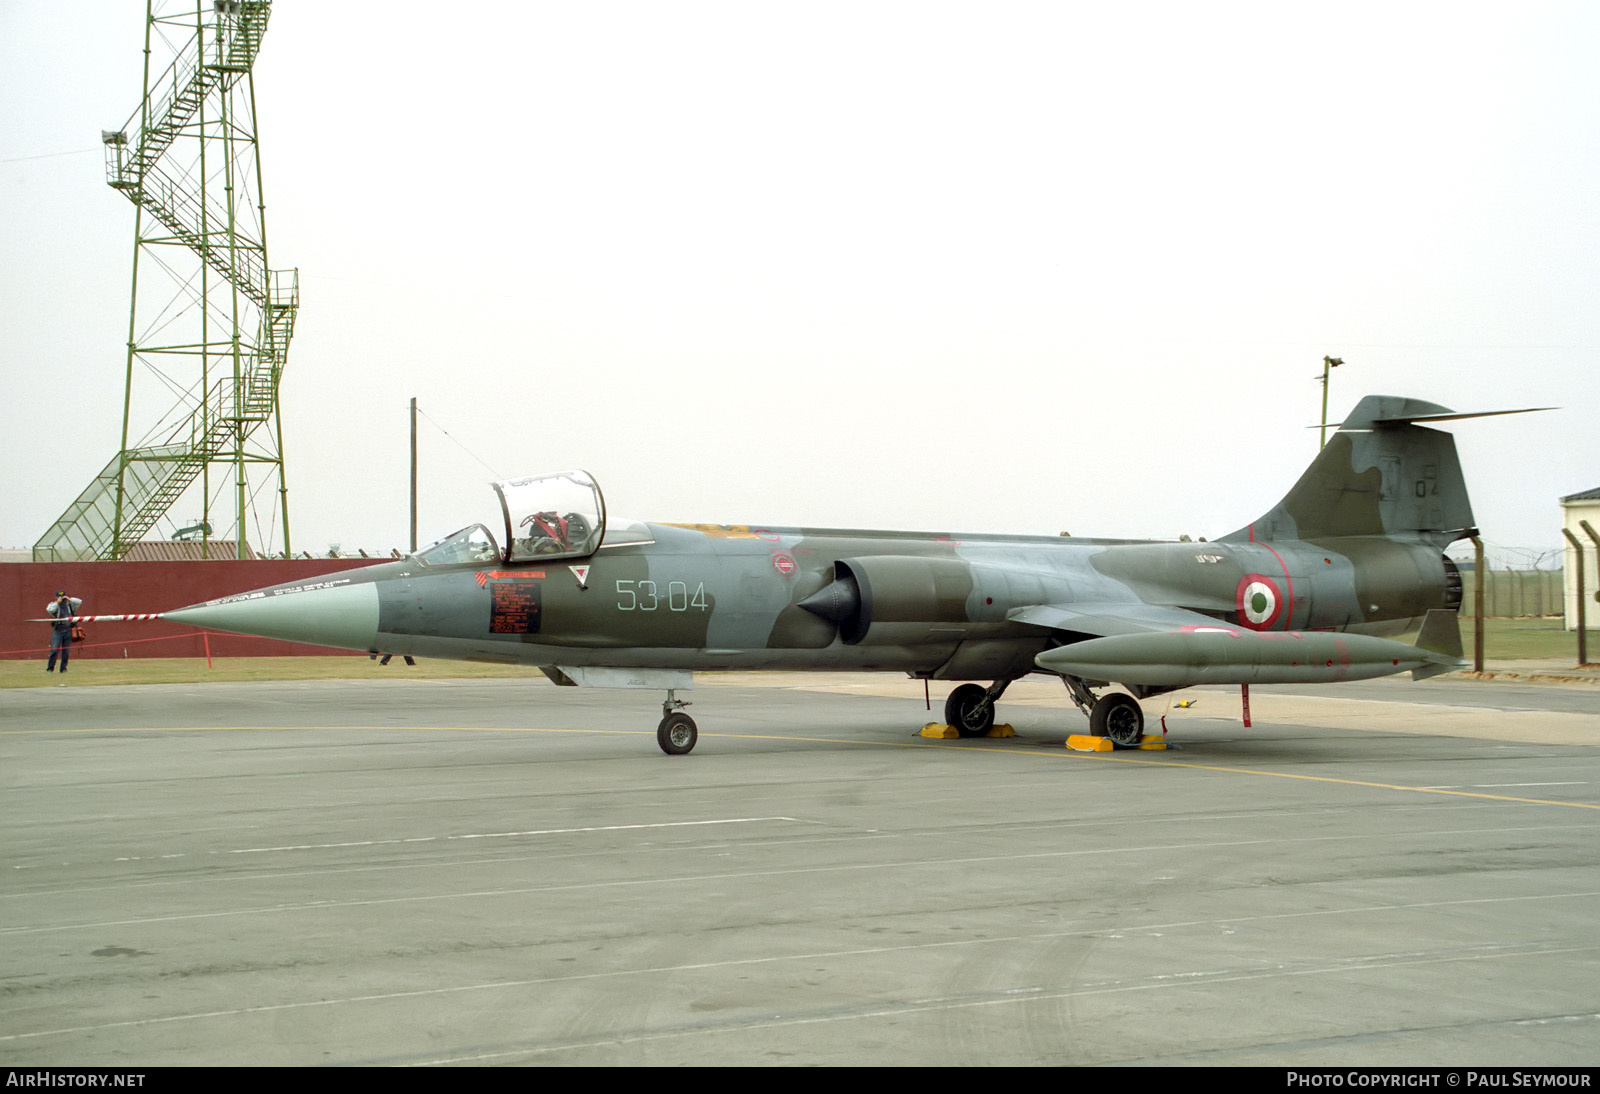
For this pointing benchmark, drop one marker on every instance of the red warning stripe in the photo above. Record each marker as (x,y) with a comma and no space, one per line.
(141,616)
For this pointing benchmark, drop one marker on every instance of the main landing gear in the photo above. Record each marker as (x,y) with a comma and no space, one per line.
(1115,714)
(677,732)
(970,708)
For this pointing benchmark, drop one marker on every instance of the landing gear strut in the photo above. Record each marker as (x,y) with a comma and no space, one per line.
(970,708)
(1116,714)
(677,732)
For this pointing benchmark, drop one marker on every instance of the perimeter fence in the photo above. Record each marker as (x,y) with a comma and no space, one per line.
(1513,594)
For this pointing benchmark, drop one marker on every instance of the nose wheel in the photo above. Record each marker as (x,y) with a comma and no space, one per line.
(677,733)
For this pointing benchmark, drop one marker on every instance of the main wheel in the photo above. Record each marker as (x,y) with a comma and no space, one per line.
(969,710)
(1117,715)
(677,734)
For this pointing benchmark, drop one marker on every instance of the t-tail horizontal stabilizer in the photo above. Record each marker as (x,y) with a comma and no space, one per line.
(1381,474)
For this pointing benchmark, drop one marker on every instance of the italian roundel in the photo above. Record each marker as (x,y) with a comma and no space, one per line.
(1260,602)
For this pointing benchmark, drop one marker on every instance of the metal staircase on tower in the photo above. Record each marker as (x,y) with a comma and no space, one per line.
(210,321)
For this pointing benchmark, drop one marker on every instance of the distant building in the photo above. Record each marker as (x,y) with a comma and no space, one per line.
(1575,508)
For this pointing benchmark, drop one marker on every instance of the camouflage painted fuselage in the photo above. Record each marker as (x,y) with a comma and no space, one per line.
(945,606)
(1356,545)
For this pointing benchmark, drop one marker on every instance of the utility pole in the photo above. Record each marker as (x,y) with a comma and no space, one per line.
(1583,616)
(1328,364)
(413,474)
(1588,530)
(1478,581)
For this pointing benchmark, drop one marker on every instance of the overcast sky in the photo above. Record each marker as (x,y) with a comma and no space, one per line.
(1014,266)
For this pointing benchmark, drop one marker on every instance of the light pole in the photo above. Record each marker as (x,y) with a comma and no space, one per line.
(1328,363)
(413,474)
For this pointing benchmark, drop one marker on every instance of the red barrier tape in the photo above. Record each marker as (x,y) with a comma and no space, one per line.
(76,646)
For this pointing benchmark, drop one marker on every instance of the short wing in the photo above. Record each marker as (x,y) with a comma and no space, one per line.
(1109,619)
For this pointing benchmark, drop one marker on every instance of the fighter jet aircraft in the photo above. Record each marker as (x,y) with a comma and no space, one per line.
(1310,592)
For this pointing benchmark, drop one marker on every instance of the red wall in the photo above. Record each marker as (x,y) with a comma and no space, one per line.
(116,588)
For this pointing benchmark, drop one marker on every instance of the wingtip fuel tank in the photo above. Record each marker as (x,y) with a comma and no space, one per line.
(1235,655)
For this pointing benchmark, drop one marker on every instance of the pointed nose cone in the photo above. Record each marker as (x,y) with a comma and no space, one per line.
(345,616)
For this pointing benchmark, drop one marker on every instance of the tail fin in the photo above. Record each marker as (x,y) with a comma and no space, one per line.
(1381,474)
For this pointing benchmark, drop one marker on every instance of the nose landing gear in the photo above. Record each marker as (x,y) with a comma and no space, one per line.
(677,733)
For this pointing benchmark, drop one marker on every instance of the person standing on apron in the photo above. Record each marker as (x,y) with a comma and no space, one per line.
(63,609)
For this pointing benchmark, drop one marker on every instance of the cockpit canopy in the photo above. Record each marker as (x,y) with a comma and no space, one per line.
(547,517)
(473,544)
(552,516)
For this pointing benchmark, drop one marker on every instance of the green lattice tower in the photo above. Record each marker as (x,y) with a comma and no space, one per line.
(210,322)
